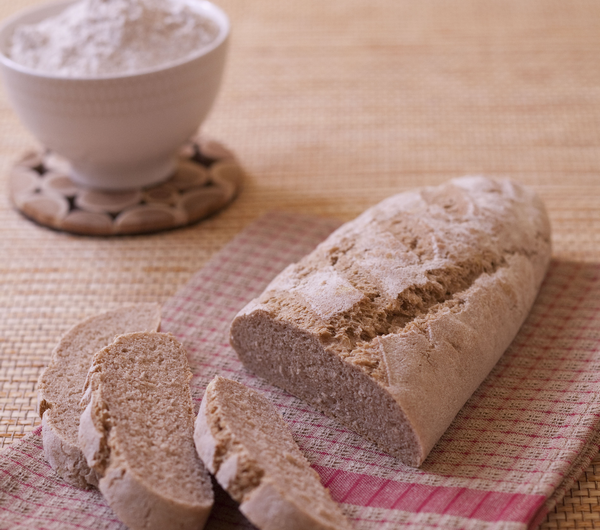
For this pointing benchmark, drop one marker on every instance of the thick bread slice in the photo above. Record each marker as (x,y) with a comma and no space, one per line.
(137,431)
(391,323)
(246,444)
(60,387)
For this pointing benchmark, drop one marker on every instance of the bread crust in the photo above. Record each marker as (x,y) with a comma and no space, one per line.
(204,441)
(66,459)
(421,295)
(69,363)
(139,506)
(271,509)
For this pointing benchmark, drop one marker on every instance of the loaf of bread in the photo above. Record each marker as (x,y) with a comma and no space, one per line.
(60,386)
(137,431)
(391,323)
(249,448)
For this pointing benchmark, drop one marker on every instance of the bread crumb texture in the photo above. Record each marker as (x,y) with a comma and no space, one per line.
(138,397)
(400,294)
(247,430)
(61,384)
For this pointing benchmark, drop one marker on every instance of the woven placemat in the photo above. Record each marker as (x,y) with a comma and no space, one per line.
(579,508)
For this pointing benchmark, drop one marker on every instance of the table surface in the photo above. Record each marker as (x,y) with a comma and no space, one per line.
(330,107)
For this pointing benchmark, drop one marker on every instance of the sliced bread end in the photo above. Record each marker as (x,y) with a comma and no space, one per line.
(248,446)
(137,433)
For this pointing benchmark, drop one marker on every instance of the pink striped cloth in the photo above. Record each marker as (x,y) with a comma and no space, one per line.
(514,449)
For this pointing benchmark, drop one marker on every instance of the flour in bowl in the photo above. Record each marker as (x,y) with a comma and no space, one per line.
(111,37)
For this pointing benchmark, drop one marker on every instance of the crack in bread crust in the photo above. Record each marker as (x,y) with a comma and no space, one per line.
(351,334)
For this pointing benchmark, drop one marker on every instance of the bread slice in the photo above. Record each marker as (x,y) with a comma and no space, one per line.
(60,386)
(137,433)
(392,323)
(244,441)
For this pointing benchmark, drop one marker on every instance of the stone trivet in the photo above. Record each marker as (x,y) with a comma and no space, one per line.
(207,179)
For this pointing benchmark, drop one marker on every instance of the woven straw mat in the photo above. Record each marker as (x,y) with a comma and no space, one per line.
(330,107)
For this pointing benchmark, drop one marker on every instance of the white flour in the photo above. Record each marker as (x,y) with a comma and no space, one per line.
(104,37)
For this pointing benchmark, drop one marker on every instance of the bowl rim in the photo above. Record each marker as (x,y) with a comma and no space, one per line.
(217,15)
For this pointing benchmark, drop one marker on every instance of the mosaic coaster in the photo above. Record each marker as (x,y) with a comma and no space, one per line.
(206,180)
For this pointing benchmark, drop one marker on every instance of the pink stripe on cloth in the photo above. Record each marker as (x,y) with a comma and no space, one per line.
(375,492)
(515,447)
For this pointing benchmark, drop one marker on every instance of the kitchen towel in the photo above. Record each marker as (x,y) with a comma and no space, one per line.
(514,449)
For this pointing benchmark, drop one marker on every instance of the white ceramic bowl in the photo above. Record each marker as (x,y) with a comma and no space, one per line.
(118,131)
